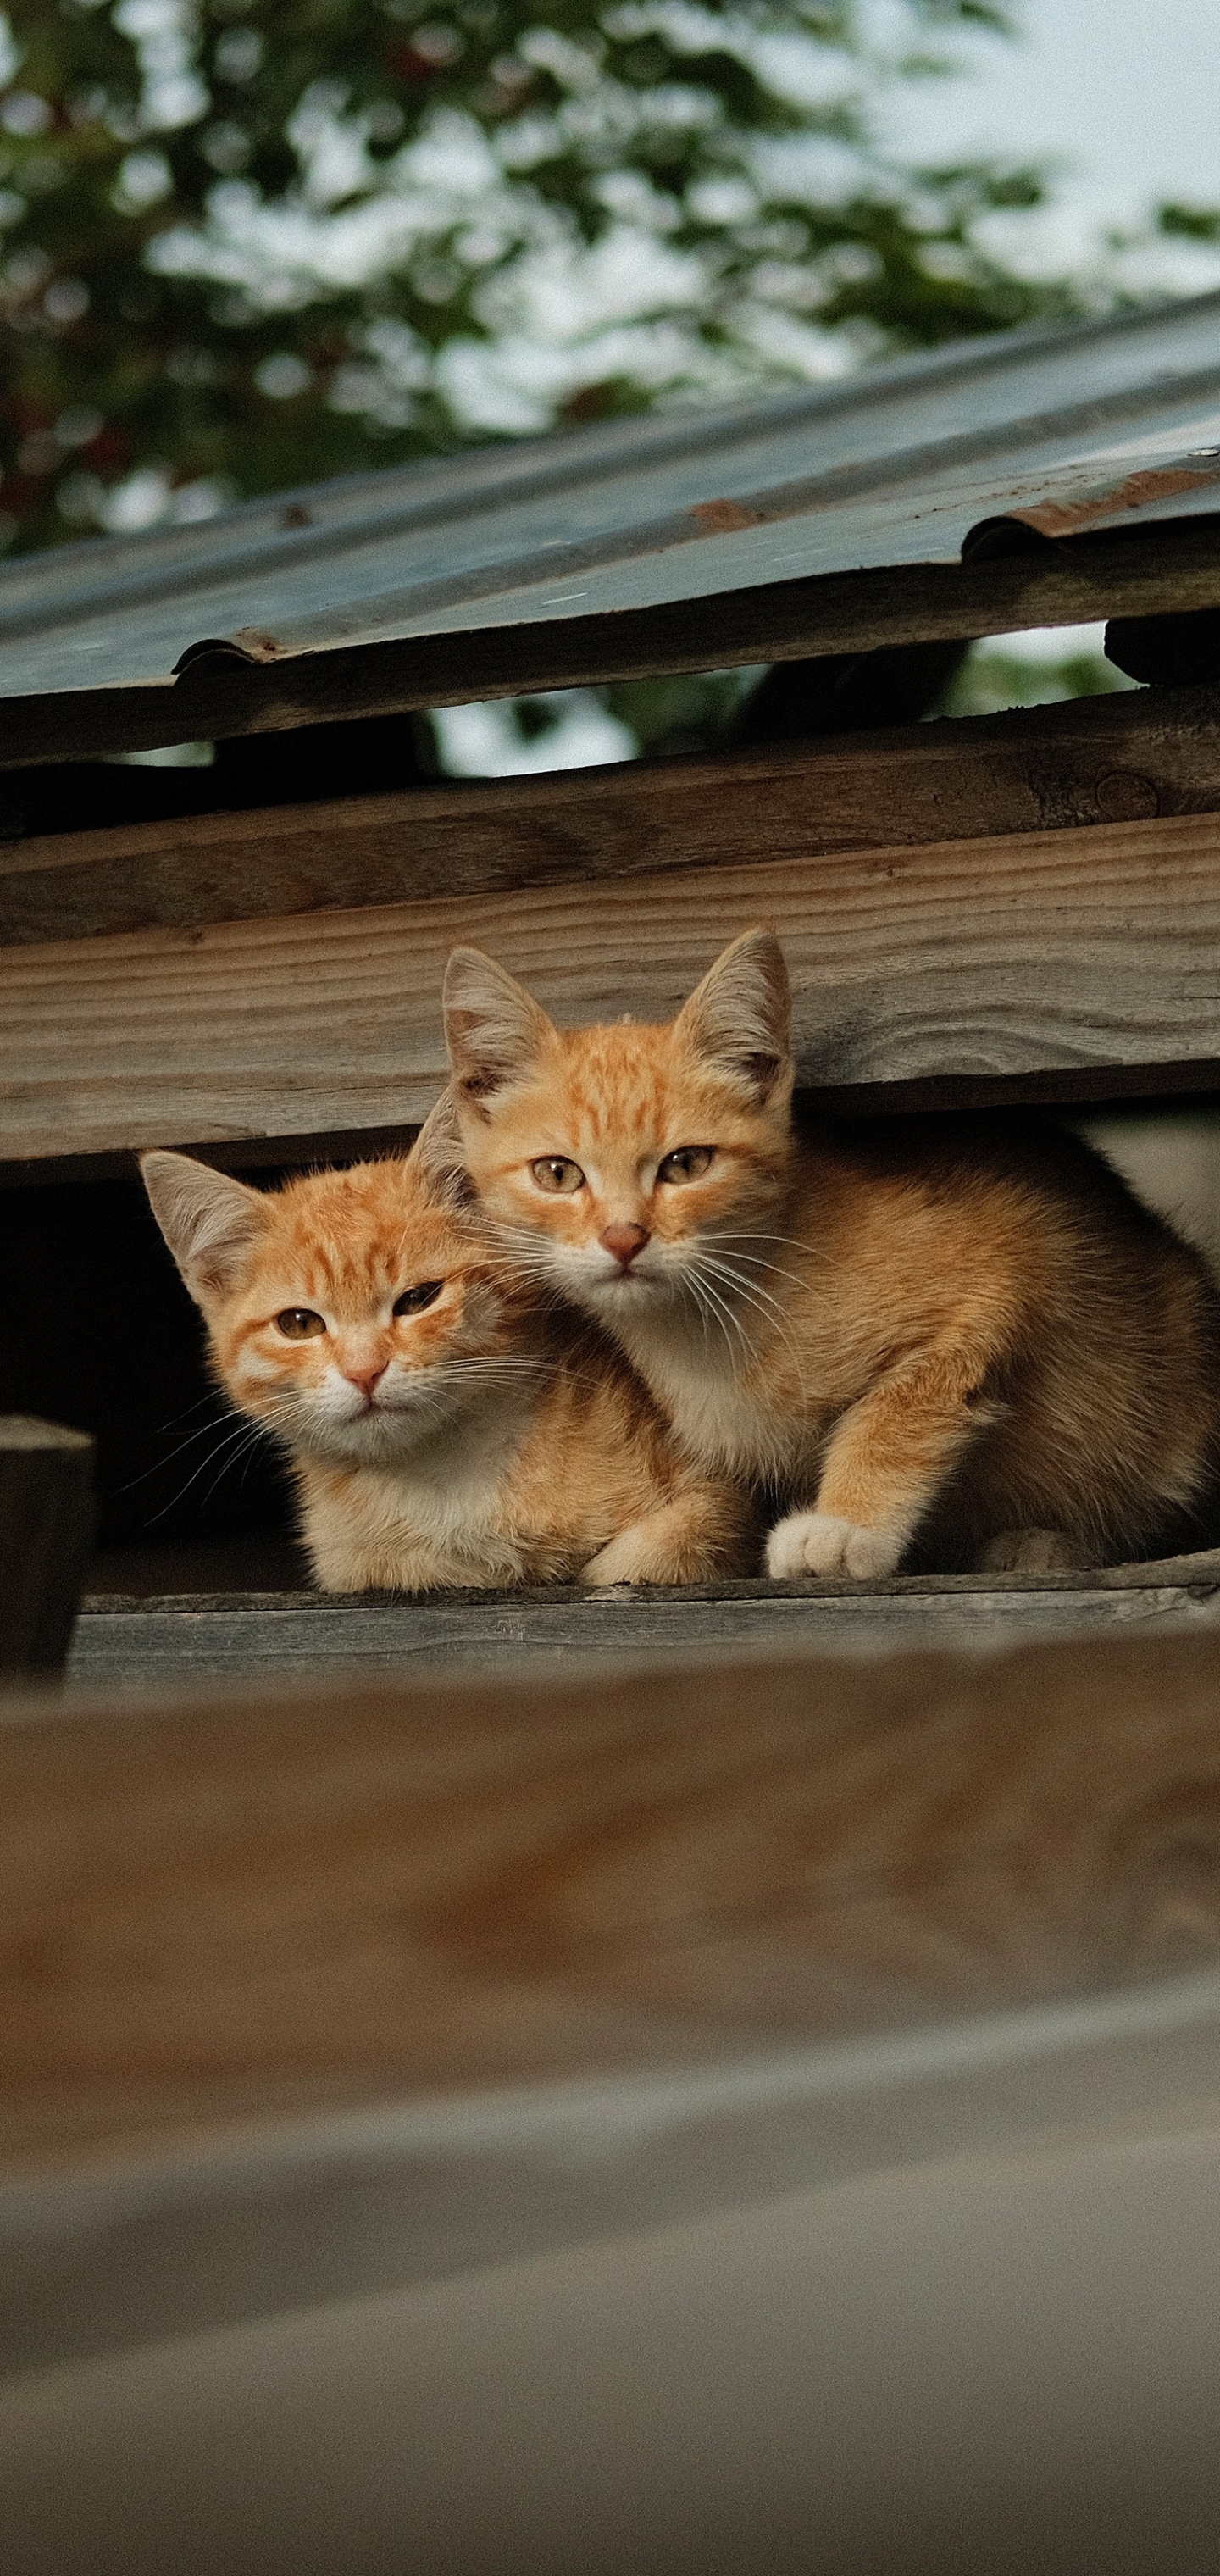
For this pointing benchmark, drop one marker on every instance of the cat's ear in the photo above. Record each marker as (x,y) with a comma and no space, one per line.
(210,1222)
(437,1154)
(739,1018)
(494,1029)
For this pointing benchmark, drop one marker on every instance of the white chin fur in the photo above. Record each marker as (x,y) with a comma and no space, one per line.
(379,1432)
(617,1282)
(346,1443)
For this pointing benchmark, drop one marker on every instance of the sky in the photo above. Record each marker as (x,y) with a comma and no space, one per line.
(1124,93)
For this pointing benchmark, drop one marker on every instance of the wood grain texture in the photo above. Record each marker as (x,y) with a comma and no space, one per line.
(255,1906)
(1098,760)
(46,1527)
(1010,956)
(1145,572)
(189,1645)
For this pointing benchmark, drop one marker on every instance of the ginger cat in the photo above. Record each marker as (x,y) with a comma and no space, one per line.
(445,1426)
(945,1342)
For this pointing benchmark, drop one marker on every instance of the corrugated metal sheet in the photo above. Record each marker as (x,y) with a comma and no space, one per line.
(1091,427)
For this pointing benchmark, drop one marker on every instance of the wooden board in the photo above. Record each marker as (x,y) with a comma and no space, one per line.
(173,1644)
(175,1649)
(257,1906)
(1095,760)
(1145,572)
(1031,954)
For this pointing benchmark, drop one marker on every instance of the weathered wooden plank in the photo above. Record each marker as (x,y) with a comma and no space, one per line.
(46,1526)
(1155,570)
(1094,760)
(1035,953)
(175,1649)
(260,1905)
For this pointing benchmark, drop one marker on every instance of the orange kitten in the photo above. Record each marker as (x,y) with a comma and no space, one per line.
(954,1340)
(446,1427)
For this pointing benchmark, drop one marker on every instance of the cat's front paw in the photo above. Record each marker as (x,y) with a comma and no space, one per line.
(817,1543)
(627,1559)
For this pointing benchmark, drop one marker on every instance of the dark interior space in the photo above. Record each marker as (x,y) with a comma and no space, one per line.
(896,684)
(97,1332)
(306,765)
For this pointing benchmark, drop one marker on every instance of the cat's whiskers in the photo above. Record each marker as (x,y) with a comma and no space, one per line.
(523,1240)
(756,1262)
(202,1432)
(709,1314)
(246,1434)
(512,1370)
(724,1309)
(175,1418)
(239,1454)
(752,1289)
(497,1361)
(764,1305)
(755,1259)
(538,1267)
(488,1372)
(727,1279)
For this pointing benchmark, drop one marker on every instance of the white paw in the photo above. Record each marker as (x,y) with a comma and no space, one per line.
(817,1543)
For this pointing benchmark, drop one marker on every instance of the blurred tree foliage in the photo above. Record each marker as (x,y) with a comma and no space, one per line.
(249,243)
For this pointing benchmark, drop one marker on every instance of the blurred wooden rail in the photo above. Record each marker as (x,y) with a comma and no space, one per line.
(263,1907)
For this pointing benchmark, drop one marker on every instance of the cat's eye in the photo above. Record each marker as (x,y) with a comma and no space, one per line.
(556,1173)
(414,1300)
(686,1163)
(299,1324)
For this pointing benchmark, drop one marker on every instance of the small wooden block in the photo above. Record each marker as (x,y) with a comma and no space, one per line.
(46,1524)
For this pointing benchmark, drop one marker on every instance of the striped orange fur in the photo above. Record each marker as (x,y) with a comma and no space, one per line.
(446,1426)
(935,1342)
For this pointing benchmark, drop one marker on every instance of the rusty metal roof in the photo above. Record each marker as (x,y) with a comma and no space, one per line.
(1101,425)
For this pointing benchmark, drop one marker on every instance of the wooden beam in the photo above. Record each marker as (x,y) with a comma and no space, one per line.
(1035,954)
(46,1526)
(1150,571)
(216,1911)
(1093,760)
(174,1644)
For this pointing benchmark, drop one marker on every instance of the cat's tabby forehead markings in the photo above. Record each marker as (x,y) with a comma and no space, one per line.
(637,1086)
(347,1239)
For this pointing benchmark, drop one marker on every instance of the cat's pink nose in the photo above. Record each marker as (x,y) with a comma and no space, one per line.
(624,1241)
(365,1378)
